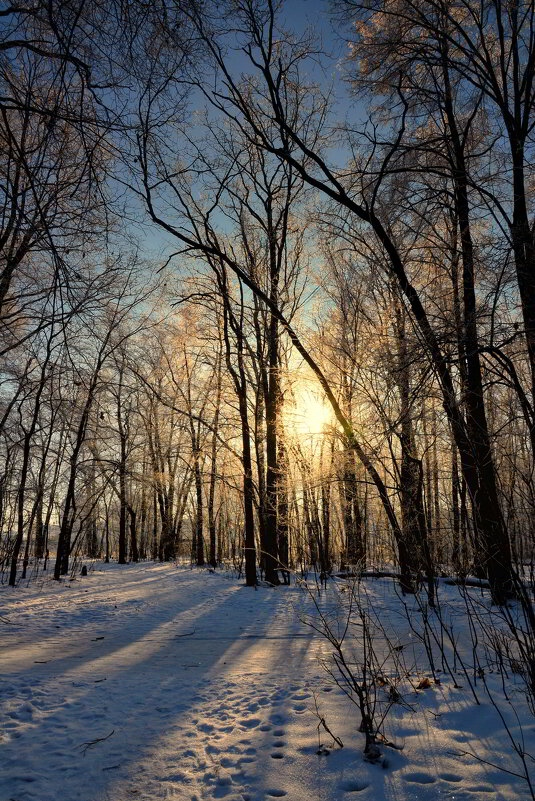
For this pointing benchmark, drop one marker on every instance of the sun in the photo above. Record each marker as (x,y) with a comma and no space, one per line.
(309,415)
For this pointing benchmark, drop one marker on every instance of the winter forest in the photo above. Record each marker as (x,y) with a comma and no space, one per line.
(267,309)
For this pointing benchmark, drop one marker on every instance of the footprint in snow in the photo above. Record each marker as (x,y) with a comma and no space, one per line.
(250,723)
(419,778)
(353,786)
(450,777)
(276,793)
(278,733)
(481,788)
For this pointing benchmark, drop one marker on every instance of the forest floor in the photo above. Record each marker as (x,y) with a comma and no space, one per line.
(151,681)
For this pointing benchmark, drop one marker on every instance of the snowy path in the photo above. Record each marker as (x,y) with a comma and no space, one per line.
(149,682)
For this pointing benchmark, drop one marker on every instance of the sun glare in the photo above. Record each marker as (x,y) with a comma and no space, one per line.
(310,414)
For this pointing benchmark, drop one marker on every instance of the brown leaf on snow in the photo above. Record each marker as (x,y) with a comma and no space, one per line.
(424,684)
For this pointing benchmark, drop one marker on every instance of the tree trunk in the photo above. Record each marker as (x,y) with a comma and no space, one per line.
(133,534)
(213,466)
(484,495)
(282,510)
(199,536)
(239,378)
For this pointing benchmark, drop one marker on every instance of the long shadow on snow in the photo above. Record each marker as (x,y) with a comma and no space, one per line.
(109,702)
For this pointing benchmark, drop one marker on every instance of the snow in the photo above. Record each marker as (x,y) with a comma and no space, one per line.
(153,681)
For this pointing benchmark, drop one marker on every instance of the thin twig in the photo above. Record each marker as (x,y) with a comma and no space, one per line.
(89,743)
(486,762)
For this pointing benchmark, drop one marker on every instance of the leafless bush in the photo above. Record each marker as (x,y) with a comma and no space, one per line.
(367,674)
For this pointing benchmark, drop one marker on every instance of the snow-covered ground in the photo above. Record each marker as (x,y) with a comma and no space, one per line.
(151,681)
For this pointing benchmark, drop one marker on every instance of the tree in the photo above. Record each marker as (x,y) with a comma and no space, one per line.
(468,63)
(117,324)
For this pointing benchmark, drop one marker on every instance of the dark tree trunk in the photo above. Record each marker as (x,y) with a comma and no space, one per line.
(413,520)
(122,429)
(239,378)
(39,529)
(351,513)
(154,539)
(456,558)
(282,511)
(133,534)
(261,471)
(326,520)
(61,566)
(26,450)
(213,467)
(122,512)
(485,501)
(199,514)
(523,241)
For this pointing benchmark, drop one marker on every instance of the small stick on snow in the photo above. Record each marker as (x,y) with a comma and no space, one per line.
(88,744)
(486,762)
(329,732)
